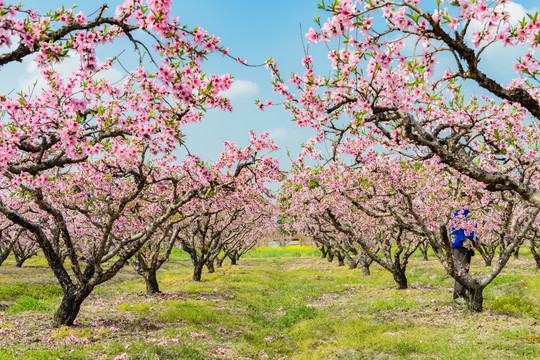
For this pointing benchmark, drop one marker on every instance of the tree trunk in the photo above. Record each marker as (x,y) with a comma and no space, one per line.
(485,256)
(70,306)
(210,266)
(476,299)
(364,266)
(21,255)
(401,279)
(18,260)
(341,259)
(197,271)
(4,256)
(234,258)
(424,250)
(353,264)
(323,252)
(330,256)
(219,262)
(152,286)
(516,253)
(536,257)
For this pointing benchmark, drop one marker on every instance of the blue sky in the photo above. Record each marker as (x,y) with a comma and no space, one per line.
(254,30)
(260,29)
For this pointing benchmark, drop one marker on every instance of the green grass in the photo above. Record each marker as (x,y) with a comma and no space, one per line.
(193,312)
(36,291)
(178,255)
(285,303)
(143,308)
(141,350)
(31,304)
(38,298)
(514,304)
(287,251)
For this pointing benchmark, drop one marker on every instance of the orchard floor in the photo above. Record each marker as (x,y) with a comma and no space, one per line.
(277,307)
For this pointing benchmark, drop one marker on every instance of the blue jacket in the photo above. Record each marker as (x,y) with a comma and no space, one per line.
(459,234)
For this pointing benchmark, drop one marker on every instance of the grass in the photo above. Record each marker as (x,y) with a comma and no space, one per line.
(514,304)
(280,303)
(36,291)
(26,303)
(288,251)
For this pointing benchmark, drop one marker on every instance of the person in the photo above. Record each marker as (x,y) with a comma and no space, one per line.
(465,241)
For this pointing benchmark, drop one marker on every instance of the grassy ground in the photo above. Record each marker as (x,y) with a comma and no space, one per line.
(276,304)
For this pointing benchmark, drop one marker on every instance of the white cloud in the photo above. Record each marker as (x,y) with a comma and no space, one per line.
(33,73)
(282,133)
(66,67)
(241,88)
(517,12)
(497,56)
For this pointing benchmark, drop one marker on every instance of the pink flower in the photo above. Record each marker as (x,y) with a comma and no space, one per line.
(307,60)
(454,23)
(80,18)
(311,35)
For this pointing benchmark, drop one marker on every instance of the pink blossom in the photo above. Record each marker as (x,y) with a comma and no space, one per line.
(311,35)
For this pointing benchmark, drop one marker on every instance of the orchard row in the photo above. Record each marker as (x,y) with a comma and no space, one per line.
(90,175)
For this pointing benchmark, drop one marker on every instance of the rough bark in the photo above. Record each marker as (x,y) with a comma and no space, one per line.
(197,271)
(234,258)
(21,256)
(70,306)
(210,266)
(516,252)
(401,279)
(152,285)
(424,250)
(198,264)
(494,181)
(363,264)
(536,257)
(330,256)
(476,299)
(341,259)
(4,255)
(22,50)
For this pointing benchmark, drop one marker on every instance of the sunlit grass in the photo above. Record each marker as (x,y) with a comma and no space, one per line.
(286,251)
(22,290)
(294,305)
